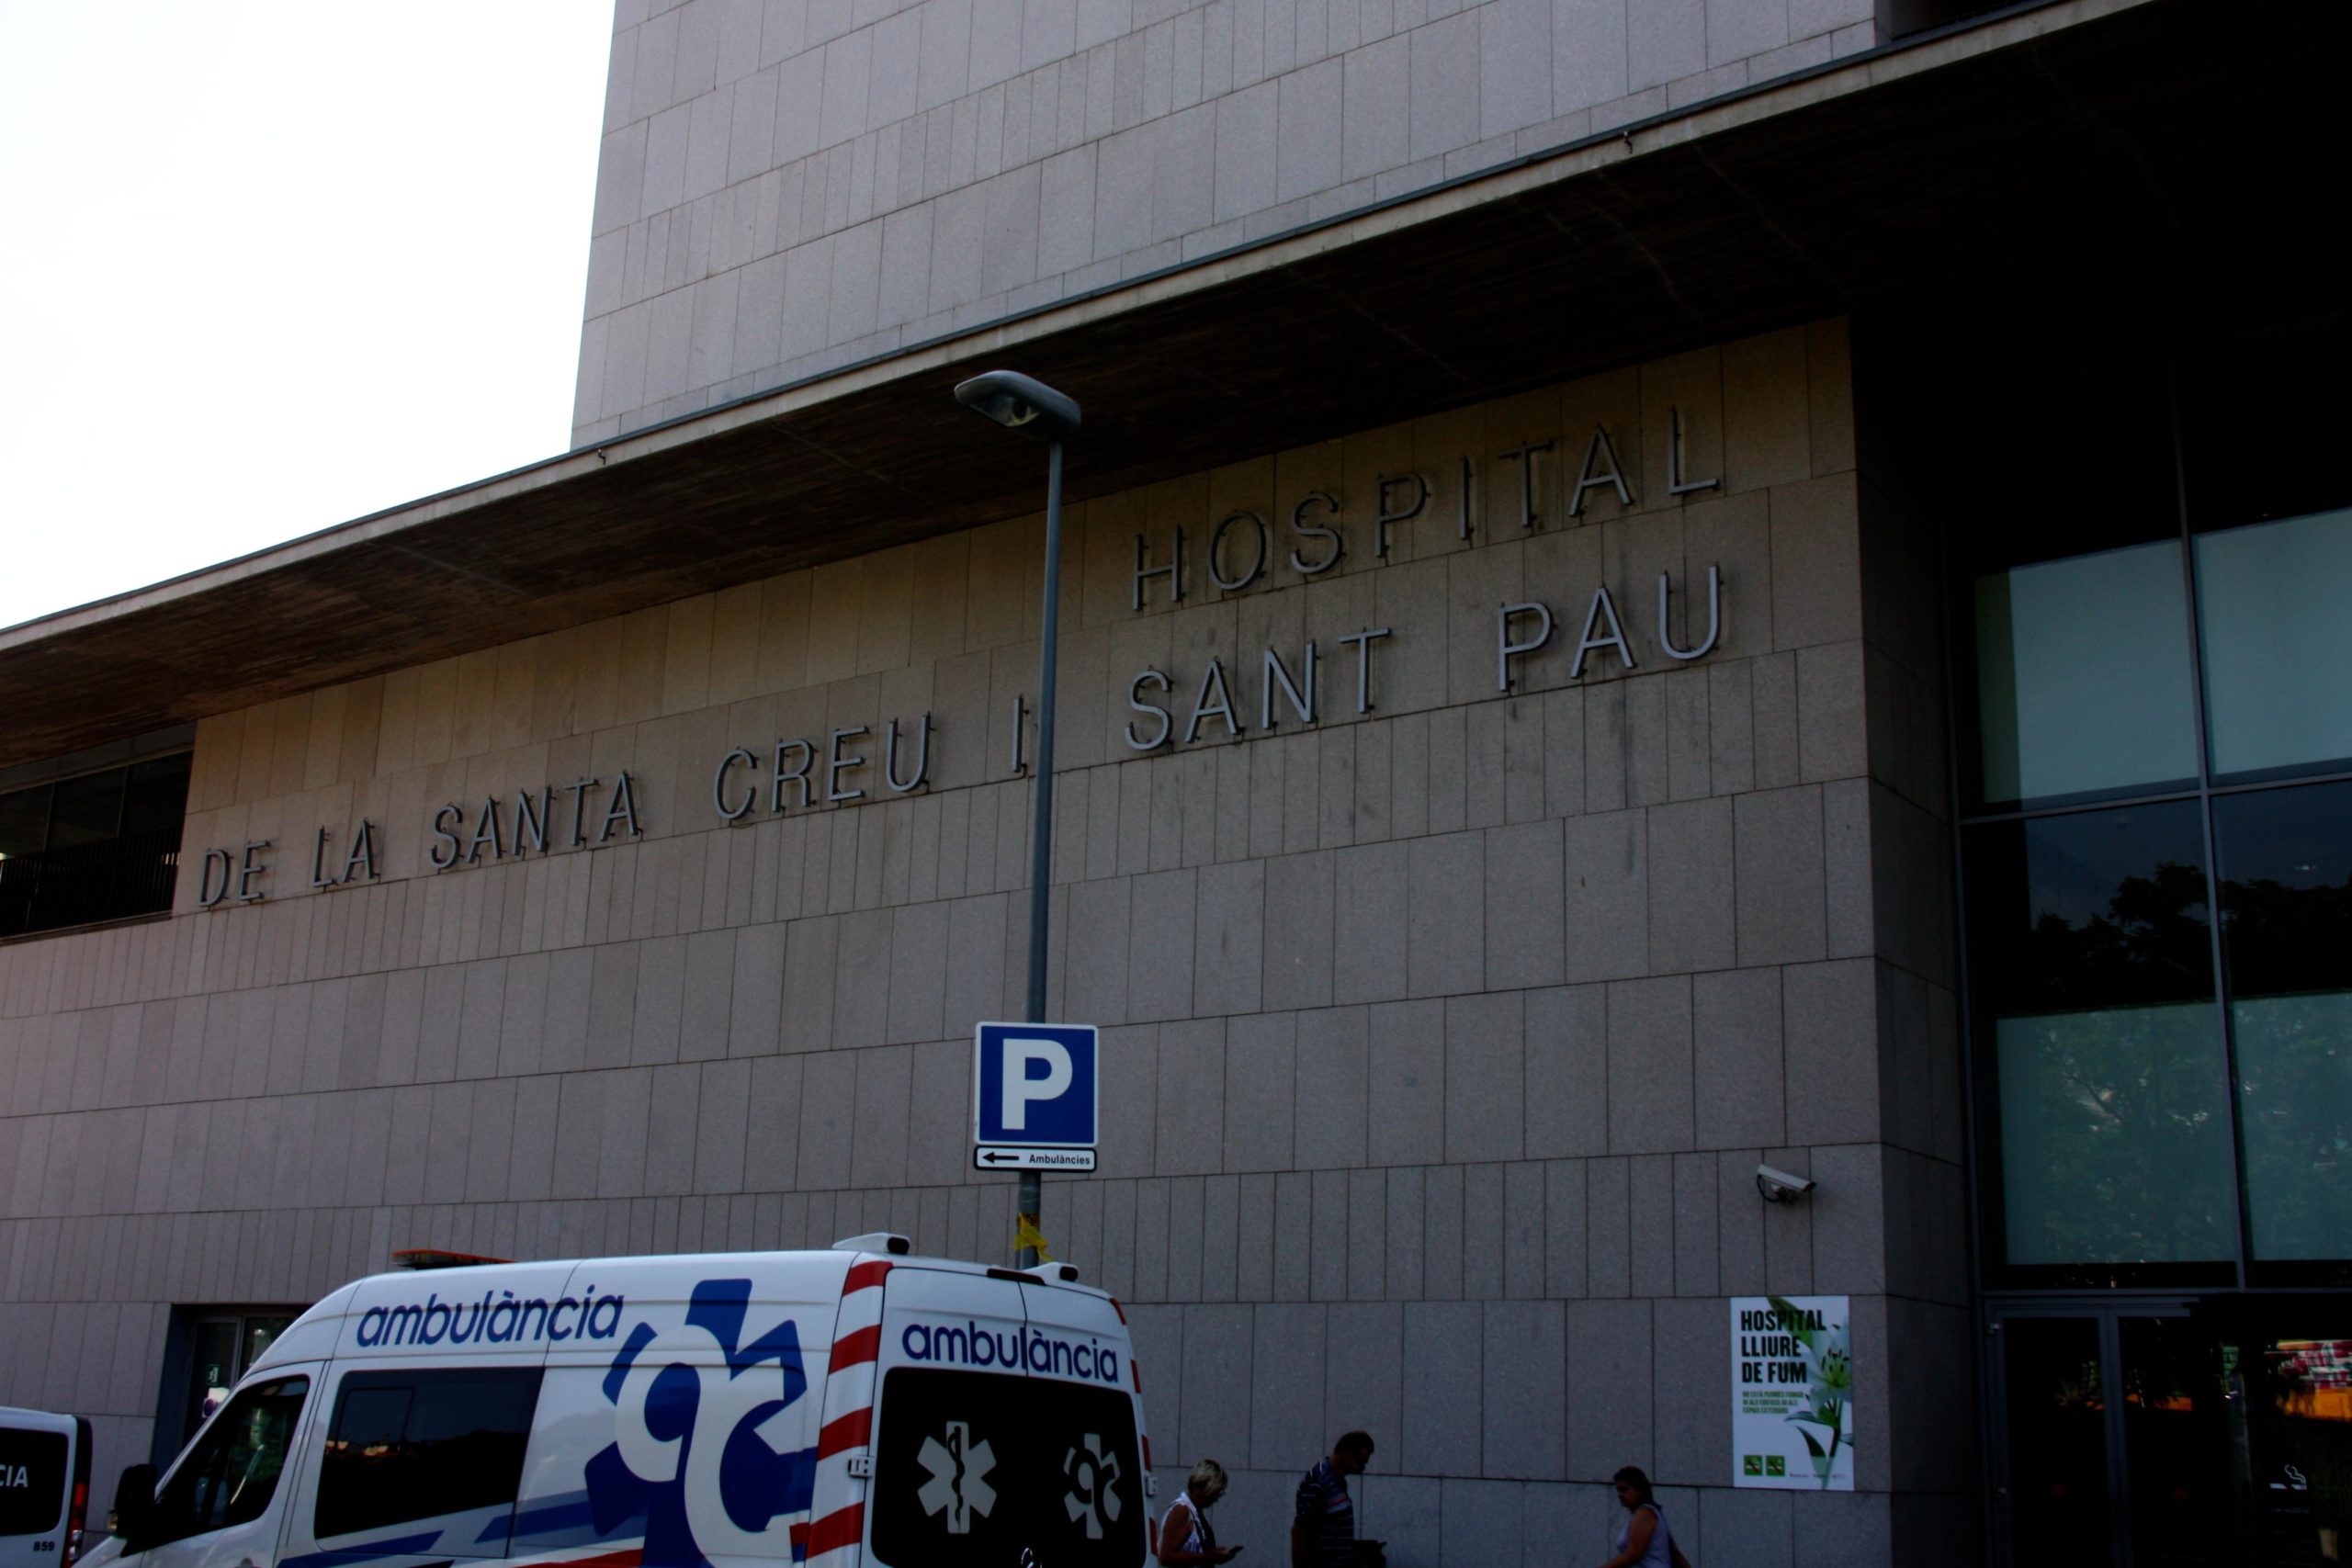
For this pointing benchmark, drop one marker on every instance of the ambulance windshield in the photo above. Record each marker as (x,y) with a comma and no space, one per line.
(974,1467)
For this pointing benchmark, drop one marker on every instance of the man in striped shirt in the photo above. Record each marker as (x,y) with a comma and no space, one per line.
(1323,1535)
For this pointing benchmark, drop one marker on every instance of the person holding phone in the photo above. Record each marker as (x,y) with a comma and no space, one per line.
(1186,1536)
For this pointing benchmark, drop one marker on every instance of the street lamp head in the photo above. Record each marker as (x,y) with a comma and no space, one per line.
(1018,402)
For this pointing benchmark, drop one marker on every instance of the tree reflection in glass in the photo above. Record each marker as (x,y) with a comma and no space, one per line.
(2287,944)
(2093,962)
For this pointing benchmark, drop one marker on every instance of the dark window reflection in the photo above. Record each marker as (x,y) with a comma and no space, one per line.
(2176,1444)
(154,795)
(87,810)
(231,1473)
(37,1466)
(2287,943)
(97,847)
(2057,1412)
(2092,959)
(2096,908)
(2072,596)
(2263,424)
(419,1445)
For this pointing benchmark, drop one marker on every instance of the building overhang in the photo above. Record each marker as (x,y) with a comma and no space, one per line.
(2130,153)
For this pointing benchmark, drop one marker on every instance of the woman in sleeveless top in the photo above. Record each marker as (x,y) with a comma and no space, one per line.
(1644,1541)
(1185,1536)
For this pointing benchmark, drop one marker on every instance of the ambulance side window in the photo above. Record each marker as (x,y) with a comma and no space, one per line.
(231,1473)
(416,1444)
(33,1480)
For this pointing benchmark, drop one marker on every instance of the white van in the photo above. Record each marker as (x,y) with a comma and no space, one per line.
(834,1408)
(44,1487)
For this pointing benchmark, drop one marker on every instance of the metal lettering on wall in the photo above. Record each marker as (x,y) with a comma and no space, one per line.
(1278,687)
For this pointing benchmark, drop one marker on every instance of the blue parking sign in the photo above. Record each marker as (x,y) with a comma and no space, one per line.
(1034,1084)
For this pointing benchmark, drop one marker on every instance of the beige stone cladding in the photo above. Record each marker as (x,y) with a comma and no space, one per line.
(785,187)
(1441,1039)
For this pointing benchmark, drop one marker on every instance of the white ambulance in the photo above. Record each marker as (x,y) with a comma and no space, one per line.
(44,1487)
(834,1408)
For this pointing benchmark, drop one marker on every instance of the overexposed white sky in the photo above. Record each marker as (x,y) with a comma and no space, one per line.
(267,266)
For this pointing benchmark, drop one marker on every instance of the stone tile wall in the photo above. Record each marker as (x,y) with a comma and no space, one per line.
(787,186)
(1443,1039)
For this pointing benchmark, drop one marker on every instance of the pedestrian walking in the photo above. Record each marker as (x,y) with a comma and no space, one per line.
(1323,1532)
(1643,1541)
(1186,1536)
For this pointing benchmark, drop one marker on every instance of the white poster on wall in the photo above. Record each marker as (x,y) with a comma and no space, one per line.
(1793,1392)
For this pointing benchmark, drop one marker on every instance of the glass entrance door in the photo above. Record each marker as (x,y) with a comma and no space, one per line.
(2053,1393)
(2142,1435)
(2116,1435)
(2175,1408)
(225,1346)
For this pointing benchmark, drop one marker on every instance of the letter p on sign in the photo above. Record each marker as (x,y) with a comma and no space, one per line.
(1022,1086)
(1035,1084)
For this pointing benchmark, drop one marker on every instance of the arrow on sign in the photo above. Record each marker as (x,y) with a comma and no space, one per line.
(1022,1157)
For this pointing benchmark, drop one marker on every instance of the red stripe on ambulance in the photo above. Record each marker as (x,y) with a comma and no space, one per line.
(842,1527)
(851,1349)
(838,1506)
(853,1430)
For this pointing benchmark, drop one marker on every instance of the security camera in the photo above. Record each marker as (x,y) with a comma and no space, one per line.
(1780,1186)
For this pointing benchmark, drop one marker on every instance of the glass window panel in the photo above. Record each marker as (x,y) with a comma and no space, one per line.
(2295,1085)
(24,821)
(230,1474)
(213,1371)
(2091,957)
(2090,909)
(2083,675)
(980,1468)
(2114,1136)
(2297,1374)
(98,847)
(2271,611)
(2287,948)
(423,1444)
(88,809)
(2176,1432)
(2057,1449)
(155,797)
(24,830)
(32,1498)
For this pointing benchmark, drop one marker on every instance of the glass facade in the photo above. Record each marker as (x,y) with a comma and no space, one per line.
(98,846)
(2285,859)
(2083,675)
(2146,553)
(2270,605)
(2154,685)
(2113,1105)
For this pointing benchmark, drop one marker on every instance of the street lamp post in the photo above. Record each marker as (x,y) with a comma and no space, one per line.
(1031,407)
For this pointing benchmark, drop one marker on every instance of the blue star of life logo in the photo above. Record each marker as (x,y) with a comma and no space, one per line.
(696,1434)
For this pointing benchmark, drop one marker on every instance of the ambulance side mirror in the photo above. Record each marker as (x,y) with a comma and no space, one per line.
(134,1506)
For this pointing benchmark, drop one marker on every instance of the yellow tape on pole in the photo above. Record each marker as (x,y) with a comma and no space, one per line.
(1027,1234)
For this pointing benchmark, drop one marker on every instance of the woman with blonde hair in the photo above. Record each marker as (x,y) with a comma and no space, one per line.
(1186,1537)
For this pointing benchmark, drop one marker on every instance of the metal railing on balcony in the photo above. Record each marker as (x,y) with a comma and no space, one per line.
(110,880)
